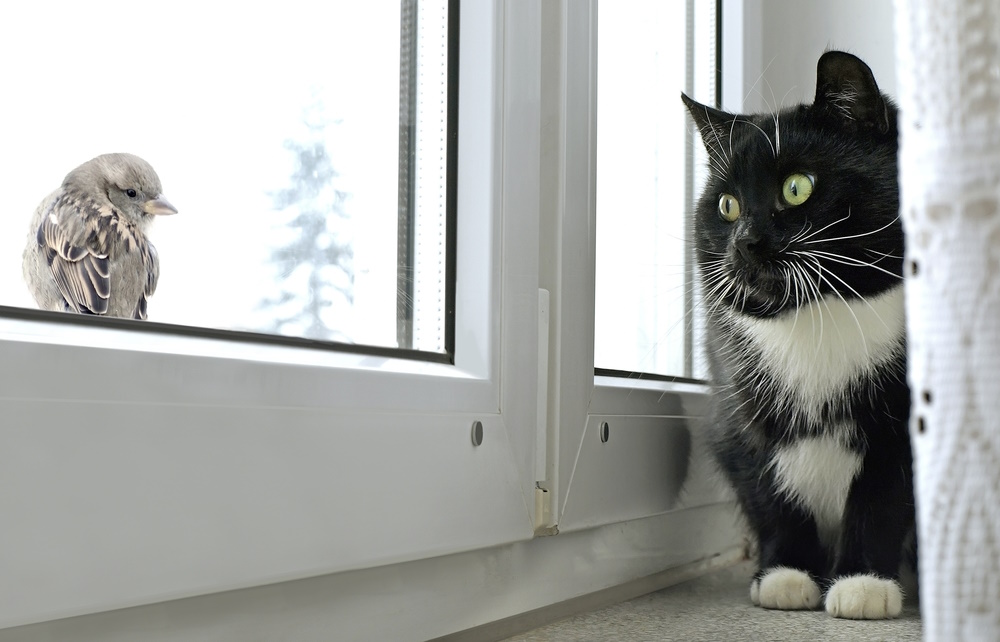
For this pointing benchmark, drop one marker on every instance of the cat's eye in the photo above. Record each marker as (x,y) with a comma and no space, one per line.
(729,207)
(797,189)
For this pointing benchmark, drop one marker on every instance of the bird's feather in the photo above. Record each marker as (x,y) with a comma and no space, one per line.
(76,236)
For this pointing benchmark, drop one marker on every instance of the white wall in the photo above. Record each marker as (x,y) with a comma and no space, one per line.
(781,40)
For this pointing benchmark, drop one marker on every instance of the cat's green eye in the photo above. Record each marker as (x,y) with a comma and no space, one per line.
(797,189)
(729,207)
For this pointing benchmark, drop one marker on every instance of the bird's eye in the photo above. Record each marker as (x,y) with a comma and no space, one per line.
(131,193)
(797,189)
(729,207)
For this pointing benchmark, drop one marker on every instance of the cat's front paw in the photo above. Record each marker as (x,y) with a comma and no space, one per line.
(864,597)
(787,589)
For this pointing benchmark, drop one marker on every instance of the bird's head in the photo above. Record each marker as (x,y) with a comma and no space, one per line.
(127,181)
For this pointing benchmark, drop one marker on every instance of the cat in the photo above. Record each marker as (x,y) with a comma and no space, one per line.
(799,251)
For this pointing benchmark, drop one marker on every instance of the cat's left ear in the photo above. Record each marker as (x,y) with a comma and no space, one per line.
(846,87)
(713,124)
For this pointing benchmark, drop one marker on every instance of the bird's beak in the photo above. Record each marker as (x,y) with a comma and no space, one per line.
(158,206)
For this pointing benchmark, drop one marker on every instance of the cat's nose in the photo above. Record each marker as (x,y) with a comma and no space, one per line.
(748,243)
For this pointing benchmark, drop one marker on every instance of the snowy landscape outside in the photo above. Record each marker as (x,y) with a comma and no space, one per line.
(267,125)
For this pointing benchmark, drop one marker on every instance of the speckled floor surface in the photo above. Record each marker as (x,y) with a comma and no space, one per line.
(717,608)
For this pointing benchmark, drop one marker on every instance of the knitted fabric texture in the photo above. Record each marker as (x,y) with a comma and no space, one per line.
(948,71)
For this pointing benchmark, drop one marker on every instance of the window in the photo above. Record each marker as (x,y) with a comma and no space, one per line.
(207,463)
(648,178)
(305,147)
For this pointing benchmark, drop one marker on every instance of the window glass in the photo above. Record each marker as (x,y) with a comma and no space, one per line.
(646,176)
(302,143)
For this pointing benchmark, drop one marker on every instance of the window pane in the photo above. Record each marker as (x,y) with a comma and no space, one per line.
(275,131)
(649,52)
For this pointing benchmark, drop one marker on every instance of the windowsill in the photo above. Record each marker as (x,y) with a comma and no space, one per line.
(660,385)
(32,326)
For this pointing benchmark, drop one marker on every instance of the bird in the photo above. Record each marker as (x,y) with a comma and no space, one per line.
(87,251)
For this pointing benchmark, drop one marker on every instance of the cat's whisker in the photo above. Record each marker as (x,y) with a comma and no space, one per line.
(818,267)
(712,285)
(812,294)
(732,128)
(854,236)
(793,240)
(715,134)
(766,137)
(788,284)
(884,255)
(734,292)
(805,296)
(798,236)
(777,122)
(795,319)
(759,78)
(718,169)
(717,288)
(790,89)
(714,281)
(826,227)
(847,260)
(774,101)
(857,294)
(746,293)
(822,301)
(777,136)
(709,279)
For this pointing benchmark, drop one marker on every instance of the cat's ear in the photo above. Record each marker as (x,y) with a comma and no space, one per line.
(846,87)
(713,124)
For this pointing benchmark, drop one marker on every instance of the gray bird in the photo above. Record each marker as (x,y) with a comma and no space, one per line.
(87,250)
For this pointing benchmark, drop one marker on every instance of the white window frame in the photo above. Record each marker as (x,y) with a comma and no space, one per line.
(597,483)
(138,467)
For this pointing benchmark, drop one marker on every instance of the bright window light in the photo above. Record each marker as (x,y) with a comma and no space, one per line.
(304,145)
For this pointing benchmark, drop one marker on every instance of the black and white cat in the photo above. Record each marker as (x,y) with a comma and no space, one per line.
(799,247)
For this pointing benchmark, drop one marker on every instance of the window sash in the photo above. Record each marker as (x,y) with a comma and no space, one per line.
(251,462)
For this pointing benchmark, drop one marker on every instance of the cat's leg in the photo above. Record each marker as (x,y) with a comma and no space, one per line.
(877,518)
(792,560)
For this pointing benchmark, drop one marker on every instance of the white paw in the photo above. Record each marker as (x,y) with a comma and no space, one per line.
(864,597)
(786,589)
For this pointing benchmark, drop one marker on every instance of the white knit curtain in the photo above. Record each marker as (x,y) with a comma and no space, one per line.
(948,68)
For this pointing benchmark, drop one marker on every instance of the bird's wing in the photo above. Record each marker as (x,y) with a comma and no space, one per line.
(151,261)
(68,237)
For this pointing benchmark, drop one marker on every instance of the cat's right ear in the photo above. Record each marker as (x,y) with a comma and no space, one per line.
(714,125)
(845,87)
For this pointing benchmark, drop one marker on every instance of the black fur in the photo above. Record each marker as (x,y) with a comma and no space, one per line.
(757,268)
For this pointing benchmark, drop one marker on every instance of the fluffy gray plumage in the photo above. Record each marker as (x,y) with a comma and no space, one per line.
(87,250)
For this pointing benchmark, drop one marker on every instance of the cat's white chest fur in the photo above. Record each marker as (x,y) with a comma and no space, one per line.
(817,473)
(816,352)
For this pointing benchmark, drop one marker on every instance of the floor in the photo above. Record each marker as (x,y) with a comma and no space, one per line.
(717,608)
